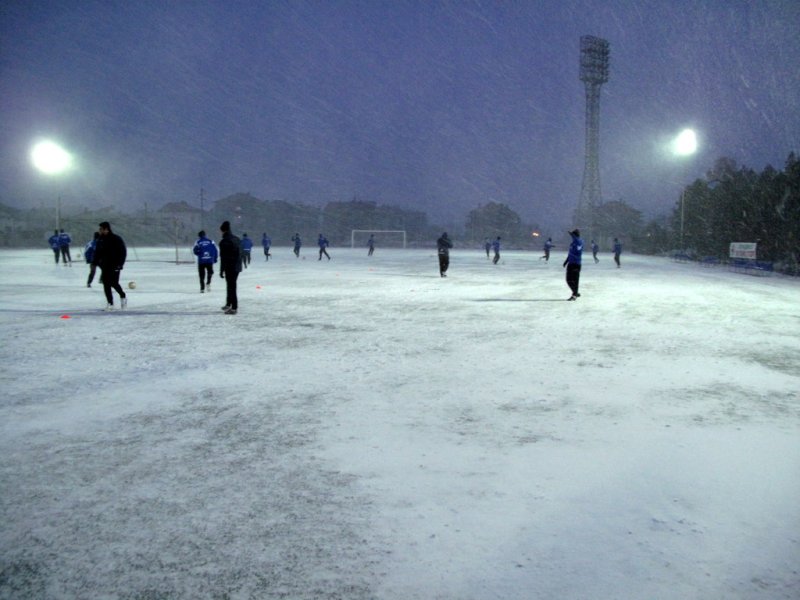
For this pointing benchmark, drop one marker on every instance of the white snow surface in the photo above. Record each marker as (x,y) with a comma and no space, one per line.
(366,429)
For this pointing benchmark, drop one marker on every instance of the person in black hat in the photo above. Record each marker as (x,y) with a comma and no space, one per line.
(443,245)
(110,256)
(573,263)
(230,257)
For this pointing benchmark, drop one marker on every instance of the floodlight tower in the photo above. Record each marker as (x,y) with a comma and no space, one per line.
(593,73)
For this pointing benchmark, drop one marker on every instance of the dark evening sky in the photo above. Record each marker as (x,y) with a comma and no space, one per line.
(435,106)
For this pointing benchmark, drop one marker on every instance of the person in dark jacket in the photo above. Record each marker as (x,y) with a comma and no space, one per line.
(573,263)
(595,249)
(371,244)
(53,241)
(617,251)
(206,252)
(298,243)
(110,256)
(487,245)
(88,254)
(230,257)
(443,245)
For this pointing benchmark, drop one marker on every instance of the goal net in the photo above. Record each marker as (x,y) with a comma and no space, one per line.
(384,238)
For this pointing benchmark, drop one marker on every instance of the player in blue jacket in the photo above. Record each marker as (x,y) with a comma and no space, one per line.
(88,253)
(371,244)
(496,248)
(617,251)
(53,241)
(63,242)
(322,242)
(266,242)
(595,248)
(246,247)
(487,245)
(573,263)
(206,252)
(298,243)
(547,247)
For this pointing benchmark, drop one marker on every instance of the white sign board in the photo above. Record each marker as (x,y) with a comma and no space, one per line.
(743,250)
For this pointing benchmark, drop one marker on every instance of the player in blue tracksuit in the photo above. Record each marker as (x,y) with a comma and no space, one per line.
(266,242)
(547,246)
(88,254)
(53,241)
(573,263)
(322,242)
(246,247)
(595,248)
(496,248)
(487,245)
(206,252)
(63,242)
(371,244)
(298,243)
(617,251)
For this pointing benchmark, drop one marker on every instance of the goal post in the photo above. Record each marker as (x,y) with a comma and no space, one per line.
(383,237)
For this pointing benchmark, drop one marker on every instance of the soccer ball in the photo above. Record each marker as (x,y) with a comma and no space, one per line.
(131,285)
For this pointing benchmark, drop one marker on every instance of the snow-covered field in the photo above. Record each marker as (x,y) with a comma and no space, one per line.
(365,429)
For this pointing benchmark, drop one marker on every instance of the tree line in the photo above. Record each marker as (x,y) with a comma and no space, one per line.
(731,204)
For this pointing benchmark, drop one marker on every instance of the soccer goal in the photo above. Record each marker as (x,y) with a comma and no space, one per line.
(384,238)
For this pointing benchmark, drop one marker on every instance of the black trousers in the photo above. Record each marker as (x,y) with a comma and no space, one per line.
(230,284)
(496,257)
(92,271)
(205,272)
(444,263)
(65,254)
(245,258)
(573,277)
(57,252)
(111,281)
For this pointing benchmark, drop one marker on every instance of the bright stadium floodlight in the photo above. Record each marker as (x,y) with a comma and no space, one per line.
(50,158)
(685,143)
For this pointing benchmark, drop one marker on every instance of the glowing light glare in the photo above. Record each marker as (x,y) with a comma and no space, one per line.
(50,158)
(685,143)
(535,234)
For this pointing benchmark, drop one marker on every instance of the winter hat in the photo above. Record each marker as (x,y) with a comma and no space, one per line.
(575,232)
(201,233)
(226,226)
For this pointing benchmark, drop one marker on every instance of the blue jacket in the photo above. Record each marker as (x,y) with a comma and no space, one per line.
(575,251)
(496,245)
(246,243)
(265,241)
(88,250)
(595,247)
(297,241)
(64,239)
(53,241)
(322,241)
(547,245)
(206,251)
(617,248)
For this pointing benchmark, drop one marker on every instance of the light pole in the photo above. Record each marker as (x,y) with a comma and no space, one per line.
(685,144)
(51,159)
